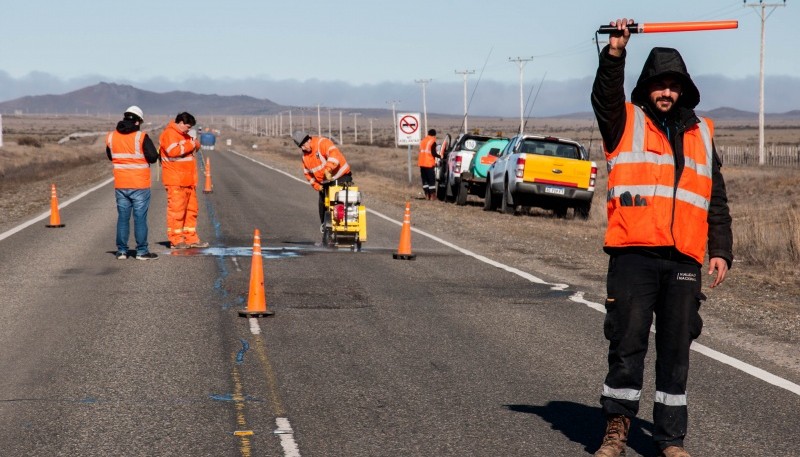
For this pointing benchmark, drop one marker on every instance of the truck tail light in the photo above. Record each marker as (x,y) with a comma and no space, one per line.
(457,166)
(520,167)
(593,178)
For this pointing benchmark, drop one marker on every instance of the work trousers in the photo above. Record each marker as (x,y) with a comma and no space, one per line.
(428,176)
(638,287)
(182,214)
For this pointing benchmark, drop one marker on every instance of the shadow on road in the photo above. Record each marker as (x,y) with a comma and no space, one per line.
(585,425)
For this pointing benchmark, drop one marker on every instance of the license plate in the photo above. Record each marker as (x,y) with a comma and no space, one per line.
(554,190)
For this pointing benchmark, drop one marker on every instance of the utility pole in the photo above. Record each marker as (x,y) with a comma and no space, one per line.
(330,133)
(394,119)
(370,130)
(521,63)
(763,6)
(291,132)
(355,126)
(341,135)
(465,73)
(424,83)
(319,122)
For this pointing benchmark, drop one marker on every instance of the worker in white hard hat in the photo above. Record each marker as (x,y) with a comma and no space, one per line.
(131,151)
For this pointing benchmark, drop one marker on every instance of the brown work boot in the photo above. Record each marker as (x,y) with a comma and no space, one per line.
(675,451)
(616,436)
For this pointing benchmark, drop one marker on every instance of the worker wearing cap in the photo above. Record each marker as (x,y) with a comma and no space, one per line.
(427,163)
(177,148)
(131,152)
(323,164)
(667,207)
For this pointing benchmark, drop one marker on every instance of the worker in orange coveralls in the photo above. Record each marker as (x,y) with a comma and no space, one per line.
(177,150)
(323,165)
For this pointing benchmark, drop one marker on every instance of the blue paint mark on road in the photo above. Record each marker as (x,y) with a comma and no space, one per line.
(240,354)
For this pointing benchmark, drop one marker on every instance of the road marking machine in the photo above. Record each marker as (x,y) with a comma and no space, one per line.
(345,222)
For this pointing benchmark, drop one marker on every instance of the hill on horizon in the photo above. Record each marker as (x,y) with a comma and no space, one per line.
(104,98)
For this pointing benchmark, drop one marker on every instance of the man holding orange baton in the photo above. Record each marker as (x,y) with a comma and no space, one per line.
(667,207)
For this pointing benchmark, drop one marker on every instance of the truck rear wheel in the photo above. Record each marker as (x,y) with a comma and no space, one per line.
(489,200)
(506,207)
(461,193)
(583,209)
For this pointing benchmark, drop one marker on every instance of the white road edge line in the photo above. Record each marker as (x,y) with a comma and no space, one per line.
(578,298)
(285,432)
(44,216)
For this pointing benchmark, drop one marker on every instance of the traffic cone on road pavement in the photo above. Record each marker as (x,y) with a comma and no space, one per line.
(256,300)
(404,247)
(208,187)
(55,218)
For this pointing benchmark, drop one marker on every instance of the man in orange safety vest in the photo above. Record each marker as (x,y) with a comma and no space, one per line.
(427,163)
(667,208)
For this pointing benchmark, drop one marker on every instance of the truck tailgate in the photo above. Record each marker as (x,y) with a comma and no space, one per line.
(557,171)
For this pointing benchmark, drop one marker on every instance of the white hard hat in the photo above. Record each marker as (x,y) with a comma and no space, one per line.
(300,137)
(135,110)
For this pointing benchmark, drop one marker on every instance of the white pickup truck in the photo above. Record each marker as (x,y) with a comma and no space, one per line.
(454,181)
(542,171)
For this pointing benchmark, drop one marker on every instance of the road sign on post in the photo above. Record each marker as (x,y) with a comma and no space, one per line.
(408,129)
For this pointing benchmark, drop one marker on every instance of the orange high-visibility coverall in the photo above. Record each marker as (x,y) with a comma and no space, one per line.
(324,156)
(180,180)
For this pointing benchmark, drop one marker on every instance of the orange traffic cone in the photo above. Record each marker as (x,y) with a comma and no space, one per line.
(404,248)
(55,218)
(208,187)
(256,301)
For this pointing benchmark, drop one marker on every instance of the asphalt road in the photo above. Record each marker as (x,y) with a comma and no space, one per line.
(365,355)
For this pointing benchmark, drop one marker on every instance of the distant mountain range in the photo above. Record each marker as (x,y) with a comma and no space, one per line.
(105,98)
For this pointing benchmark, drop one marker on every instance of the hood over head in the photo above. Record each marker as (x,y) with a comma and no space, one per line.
(665,62)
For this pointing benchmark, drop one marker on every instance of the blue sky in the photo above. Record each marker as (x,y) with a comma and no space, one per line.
(355,52)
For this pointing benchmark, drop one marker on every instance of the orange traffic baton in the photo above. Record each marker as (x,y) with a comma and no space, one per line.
(208,187)
(55,218)
(256,300)
(662,27)
(404,247)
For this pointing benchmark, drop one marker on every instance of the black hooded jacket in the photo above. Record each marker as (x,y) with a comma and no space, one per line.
(130,126)
(608,101)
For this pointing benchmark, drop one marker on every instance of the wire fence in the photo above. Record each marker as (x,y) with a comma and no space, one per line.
(775,155)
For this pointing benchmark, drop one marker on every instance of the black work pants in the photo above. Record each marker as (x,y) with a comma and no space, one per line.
(342,179)
(638,287)
(428,176)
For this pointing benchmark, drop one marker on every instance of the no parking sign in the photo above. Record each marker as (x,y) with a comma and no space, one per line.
(408,129)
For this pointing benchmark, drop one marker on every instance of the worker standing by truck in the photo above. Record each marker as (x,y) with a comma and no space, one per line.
(667,206)
(323,164)
(177,148)
(427,164)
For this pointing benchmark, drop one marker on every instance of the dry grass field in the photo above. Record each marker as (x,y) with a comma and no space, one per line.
(761,296)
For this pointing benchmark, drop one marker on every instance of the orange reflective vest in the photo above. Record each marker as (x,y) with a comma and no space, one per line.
(131,170)
(177,157)
(643,164)
(425,158)
(324,155)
